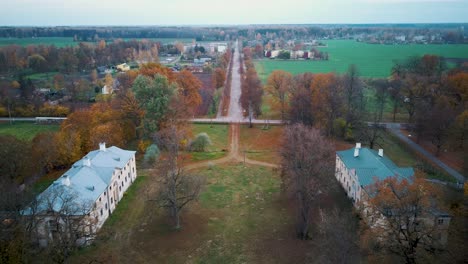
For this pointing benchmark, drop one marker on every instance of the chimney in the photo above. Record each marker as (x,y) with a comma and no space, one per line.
(66,180)
(356,152)
(381,152)
(87,162)
(102,146)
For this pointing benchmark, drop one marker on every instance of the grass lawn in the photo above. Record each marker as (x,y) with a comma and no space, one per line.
(219,135)
(25,131)
(371,60)
(41,76)
(240,218)
(261,144)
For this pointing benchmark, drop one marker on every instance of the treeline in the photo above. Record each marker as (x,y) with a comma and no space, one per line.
(251,86)
(93,33)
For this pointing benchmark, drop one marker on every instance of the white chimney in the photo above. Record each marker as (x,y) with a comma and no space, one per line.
(356,152)
(87,162)
(102,146)
(358,145)
(381,152)
(66,180)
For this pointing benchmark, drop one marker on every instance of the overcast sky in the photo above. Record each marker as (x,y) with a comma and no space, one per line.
(202,12)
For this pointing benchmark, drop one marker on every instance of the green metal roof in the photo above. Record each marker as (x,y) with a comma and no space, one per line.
(370,165)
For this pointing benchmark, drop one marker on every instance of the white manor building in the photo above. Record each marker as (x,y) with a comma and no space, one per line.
(86,194)
(358,168)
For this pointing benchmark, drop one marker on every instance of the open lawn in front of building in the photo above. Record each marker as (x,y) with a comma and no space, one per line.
(241,217)
(25,131)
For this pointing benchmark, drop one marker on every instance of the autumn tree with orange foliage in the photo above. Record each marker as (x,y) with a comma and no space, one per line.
(84,129)
(151,69)
(278,86)
(218,78)
(327,101)
(189,87)
(400,214)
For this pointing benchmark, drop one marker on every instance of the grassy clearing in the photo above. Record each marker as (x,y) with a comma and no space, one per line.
(239,219)
(25,131)
(261,144)
(41,76)
(371,60)
(219,135)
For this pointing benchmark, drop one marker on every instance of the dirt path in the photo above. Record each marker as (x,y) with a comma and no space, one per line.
(234,154)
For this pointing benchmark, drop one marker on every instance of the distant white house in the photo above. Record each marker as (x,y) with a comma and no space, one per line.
(107,89)
(123,67)
(88,193)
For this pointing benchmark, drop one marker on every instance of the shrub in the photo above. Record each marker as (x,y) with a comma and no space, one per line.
(151,154)
(200,142)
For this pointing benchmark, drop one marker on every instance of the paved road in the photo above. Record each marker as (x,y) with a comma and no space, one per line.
(235,109)
(395,129)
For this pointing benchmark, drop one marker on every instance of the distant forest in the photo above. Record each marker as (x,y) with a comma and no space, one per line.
(215,33)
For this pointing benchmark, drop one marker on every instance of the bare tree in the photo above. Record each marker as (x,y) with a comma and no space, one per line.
(307,170)
(338,237)
(178,188)
(353,95)
(372,132)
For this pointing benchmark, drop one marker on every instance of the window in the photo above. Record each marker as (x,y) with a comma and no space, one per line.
(122,184)
(120,188)
(128,174)
(101,211)
(440,221)
(133,169)
(99,198)
(119,177)
(112,200)
(110,187)
(106,206)
(125,179)
(105,193)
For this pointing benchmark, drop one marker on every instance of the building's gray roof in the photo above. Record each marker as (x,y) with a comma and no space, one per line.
(86,181)
(370,165)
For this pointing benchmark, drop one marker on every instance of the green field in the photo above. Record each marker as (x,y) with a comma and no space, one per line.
(372,60)
(25,131)
(57,41)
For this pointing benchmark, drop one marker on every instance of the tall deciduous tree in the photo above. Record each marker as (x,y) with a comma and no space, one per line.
(307,162)
(189,90)
(327,101)
(219,77)
(251,97)
(278,86)
(153,96)
(353,93)
(178,188)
